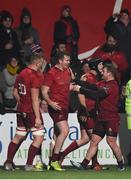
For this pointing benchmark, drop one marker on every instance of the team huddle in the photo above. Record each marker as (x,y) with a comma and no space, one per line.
(98,94)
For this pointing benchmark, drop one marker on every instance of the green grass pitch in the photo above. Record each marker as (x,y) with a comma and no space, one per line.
(69,173)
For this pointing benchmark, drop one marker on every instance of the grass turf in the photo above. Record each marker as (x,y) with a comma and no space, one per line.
(70,173)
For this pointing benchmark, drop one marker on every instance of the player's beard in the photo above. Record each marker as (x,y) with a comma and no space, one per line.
(109,48)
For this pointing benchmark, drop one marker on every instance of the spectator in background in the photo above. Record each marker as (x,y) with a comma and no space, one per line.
(60,47)
(111,50)
(66,30)
(10,73)
(27,35)
(9,44)
(120,24)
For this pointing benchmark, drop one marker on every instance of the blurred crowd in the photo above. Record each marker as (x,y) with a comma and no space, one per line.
(17,45)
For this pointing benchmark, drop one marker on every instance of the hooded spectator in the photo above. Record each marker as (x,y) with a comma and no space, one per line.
(66,30)
(27,35)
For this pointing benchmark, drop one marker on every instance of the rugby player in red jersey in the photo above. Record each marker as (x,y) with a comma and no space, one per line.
(85,111)
(56,89)
(26,91)
(108,120)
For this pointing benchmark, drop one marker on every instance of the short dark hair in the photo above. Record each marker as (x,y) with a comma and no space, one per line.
(126,11)
(93,63)
(66,7)
(60,55)
(110,68)
(59,43)
(4,15)
(113,34)
(25,12)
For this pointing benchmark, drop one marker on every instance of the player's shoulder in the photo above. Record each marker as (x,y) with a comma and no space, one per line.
(28,73)
(113,83)
(24,71)
(101,83)
(52,71)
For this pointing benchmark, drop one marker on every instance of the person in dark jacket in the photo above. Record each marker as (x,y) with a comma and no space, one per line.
(27,35)
(120,25)
(110,50)
(108,120)
(66,30)
(8,38)
(60,47)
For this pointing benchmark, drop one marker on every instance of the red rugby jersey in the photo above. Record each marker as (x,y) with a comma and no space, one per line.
(59,80)
(26,80)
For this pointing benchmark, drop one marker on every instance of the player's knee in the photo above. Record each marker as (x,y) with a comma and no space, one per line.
(94,142)
(18,139)
(65,131)
(84,140)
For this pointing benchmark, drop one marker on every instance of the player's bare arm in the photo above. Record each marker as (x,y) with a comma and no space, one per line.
(16,94)
(82,100)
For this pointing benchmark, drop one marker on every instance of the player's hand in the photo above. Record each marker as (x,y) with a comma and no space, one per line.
(55,105)
(123,91)
(38,122)
(116,15)
(76,88)
(30,40)
(9,46)
(71,86)
(83,77)
(83,118)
